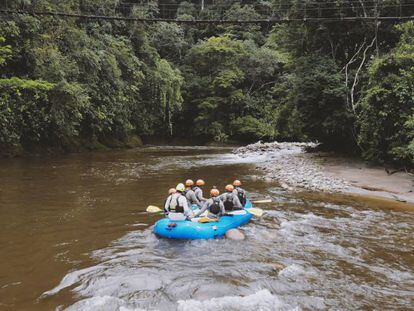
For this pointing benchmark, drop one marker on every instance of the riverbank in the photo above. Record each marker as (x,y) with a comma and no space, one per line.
(74,146)
(297,169)
(106,144)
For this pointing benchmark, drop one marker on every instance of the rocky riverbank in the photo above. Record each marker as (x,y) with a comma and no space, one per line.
(296,168)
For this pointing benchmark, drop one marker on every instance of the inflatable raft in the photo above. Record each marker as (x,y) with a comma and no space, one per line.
(189,230)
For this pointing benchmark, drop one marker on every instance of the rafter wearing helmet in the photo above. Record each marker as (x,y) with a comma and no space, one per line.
(240,192)
(213,205)
(230,200)
(190,194)
(198,190)
(177,205)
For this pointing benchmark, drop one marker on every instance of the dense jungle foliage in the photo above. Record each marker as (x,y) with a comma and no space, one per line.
(76,83)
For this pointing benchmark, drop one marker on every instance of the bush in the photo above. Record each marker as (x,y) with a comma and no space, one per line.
(24,111)
(249,129)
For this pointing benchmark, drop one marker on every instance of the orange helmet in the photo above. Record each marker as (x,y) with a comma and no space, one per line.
(230,188)
(172,190)
(189,183)
(214,192)
(200,182)
(237,183)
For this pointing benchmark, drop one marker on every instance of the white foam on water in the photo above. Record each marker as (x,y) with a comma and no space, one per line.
(304,224)
(70,279)
(292,271)
(102,303)
(262,300)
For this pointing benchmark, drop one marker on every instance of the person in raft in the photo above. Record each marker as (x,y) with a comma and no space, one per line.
(230,199)
(190,194)
(198,190)
(170,193)
(214,206)
(177,205)
(240,192)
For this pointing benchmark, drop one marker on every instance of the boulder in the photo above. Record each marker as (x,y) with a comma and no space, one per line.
(235,234)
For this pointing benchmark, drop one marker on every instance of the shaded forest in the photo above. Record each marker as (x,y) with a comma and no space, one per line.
(74,83)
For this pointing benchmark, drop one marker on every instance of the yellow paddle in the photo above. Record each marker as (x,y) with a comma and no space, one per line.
(154,209)
(258,212)
(206,219)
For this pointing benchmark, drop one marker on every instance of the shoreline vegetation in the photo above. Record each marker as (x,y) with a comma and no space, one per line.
(129,142)
(71,84)
(80,146)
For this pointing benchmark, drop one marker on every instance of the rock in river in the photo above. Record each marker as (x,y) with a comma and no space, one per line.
(235,234)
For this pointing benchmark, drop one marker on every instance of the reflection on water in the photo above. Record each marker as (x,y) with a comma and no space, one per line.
(76,236)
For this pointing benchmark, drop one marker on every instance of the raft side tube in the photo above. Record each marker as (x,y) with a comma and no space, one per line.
(188,230)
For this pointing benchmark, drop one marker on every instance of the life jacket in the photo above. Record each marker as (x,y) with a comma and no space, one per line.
(228,202)
(215,207)
(175,206)
(241,194)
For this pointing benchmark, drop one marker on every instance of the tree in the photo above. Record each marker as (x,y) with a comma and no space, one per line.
(215,92)
(5,51)
(387,108)
(315,95)
(169,41)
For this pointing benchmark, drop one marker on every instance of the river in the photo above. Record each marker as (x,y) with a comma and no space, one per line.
(74,234)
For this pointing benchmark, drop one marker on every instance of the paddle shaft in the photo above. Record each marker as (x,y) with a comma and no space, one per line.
(262,201)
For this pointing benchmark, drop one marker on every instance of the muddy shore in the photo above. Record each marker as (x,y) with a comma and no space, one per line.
(297,169)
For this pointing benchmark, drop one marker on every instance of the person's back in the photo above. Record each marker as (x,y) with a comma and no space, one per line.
(191,197)
(190,194)
(240,192)
(230,200)
(177,206)
(170,193)
(213,205)
(199,191)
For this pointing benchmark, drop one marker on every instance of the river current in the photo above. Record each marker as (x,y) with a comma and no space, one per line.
(74,235)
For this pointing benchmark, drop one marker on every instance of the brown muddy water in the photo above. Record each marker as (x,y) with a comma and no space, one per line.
(74,234)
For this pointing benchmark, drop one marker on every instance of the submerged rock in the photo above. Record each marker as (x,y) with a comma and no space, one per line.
(235,234)
(285,186)
(277,266)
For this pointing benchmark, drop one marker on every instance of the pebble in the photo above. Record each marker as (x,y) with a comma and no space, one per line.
(292,166)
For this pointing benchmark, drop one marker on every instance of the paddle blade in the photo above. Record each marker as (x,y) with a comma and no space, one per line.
(153,209)
(262,201)
(258,212)
(206,219)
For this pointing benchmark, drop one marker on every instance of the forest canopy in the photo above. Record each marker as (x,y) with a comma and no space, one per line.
(76,83)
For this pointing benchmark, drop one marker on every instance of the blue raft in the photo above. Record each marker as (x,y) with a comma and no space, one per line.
(189,230)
